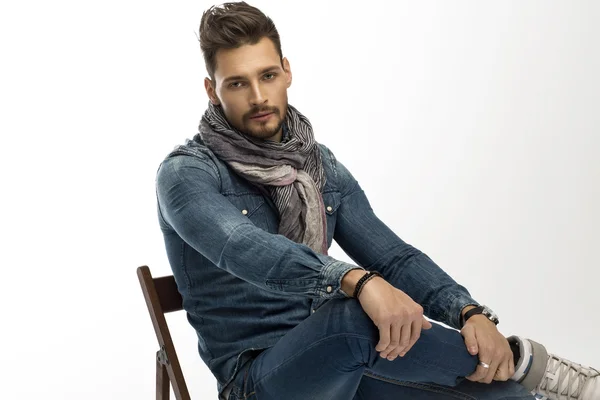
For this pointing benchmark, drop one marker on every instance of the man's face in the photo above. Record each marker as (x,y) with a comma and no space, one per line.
(250,80)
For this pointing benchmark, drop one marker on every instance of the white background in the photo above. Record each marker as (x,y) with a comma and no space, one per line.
(473,127)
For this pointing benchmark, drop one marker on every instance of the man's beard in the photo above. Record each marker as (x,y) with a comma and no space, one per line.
(265,130)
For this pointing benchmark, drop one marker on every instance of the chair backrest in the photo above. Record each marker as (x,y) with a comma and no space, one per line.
(161,297)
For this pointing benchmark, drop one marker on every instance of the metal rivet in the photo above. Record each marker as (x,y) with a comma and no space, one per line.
(329,289)
(244,212)
(313,310)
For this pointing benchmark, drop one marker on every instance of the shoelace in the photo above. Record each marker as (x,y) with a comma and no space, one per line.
(564,378)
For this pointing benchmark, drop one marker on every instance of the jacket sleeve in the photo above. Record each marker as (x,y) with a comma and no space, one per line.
(373,245)
(190,201)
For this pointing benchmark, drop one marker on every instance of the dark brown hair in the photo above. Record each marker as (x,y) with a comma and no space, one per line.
(233,25)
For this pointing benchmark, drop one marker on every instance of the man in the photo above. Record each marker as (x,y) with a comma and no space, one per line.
(249,208)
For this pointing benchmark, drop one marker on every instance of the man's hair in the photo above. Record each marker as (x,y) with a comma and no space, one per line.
(231,26)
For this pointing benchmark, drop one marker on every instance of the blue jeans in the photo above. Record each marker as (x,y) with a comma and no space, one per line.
(331,356)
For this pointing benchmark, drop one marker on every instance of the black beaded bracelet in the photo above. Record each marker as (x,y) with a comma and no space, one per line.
(361,282)
(371,276)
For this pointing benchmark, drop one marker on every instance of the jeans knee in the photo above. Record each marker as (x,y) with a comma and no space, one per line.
(348,316)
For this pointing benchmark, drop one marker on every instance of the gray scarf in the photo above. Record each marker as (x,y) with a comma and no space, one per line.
(291,171)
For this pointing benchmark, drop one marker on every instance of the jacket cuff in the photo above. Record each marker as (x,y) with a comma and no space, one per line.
(330,286)
(459,303)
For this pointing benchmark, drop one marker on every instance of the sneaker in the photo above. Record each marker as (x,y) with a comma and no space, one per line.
(567,380)
(530,361)
(550,377)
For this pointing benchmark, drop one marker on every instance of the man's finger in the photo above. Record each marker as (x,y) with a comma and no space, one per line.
(426,324)
(511,366)
(415,334)
(384,337)
(392,349)
(478,375)
(404,338)
(470,339)
(503,372)
(491,371)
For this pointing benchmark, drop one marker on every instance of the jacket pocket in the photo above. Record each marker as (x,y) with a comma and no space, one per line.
(331,201)
(250,205)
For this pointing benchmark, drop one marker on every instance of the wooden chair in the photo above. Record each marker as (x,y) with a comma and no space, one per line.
(162,297)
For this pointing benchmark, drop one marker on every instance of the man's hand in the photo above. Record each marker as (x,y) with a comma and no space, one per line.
(483,338)
(397,316)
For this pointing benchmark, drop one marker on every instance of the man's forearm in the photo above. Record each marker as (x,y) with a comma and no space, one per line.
(352,277)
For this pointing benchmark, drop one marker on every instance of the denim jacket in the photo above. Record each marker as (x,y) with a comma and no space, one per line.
(244,285)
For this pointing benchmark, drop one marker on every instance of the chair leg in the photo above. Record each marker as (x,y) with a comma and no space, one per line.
(162,380)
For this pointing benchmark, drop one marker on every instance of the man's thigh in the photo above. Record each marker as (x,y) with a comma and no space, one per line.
(315,360)
(377,389)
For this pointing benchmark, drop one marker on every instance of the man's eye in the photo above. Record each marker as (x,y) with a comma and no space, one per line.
(235,85)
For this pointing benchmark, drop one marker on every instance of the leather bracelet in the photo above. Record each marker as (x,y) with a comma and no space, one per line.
(463,320)
(363,284)
(372,275)
(362,281)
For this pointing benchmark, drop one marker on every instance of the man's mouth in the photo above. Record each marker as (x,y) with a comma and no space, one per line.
(261,115)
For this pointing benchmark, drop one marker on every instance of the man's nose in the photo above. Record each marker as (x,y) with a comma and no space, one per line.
(257,95)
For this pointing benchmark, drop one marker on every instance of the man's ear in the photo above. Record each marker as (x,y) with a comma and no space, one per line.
(211,92)
(288,71)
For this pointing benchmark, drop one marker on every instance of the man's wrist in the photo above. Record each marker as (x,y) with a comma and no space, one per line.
(464,311)
(467,308)
(477,313)
(350,279)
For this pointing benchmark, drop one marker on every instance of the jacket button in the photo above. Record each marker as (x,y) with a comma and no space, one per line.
(329,208)
(329,289)
(313,310)
(244,212)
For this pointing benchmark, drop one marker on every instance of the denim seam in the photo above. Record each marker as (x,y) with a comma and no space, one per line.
(406,262)
(332,161)
(423,386)
(188,281)
(233,193)
(216,168)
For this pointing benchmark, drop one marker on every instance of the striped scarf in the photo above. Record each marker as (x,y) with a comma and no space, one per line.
(291,172)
